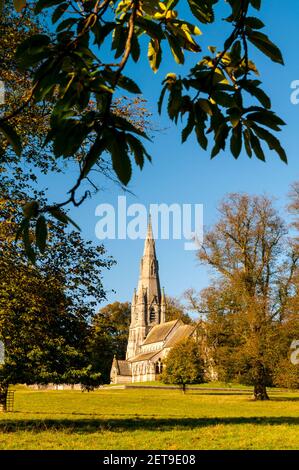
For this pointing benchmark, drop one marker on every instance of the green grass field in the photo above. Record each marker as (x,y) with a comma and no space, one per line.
(150,419)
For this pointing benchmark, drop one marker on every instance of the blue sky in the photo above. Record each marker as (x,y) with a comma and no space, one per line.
(185,174)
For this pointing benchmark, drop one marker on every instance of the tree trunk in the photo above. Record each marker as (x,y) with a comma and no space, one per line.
(260,392)
(3,396)
(260,389)
(184,388)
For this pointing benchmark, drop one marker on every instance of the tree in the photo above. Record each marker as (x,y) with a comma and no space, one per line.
(222,332)
(286,372)
(32,124)
(45,310)
(70,72)
(184,364)
(176,311)
(109,337)
(245,248)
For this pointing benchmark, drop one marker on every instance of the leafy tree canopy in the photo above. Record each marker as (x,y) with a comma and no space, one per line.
(184,364)
(176,310)
(251,306)
(109,336)
(71,71)
(46,310)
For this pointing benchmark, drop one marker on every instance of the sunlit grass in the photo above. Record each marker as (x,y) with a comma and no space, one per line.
(150,419)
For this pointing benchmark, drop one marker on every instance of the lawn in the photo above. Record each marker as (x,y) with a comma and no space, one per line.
(150,419)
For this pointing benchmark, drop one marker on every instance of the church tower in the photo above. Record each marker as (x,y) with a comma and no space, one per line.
(148,305)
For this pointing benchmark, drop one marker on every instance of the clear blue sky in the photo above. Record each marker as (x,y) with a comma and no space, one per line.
(185,174)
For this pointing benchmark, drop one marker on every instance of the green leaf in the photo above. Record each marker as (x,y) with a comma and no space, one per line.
(154,54)
(202,10)
(235,53)
(102,31)
(153,29)
(161,98)
(119,40)
(135,48)
(215,150)
(236,141)
(32,50)
(12,137)
(263,43)
(41,233)
(121,163)
(19,5)
(189,127)
(267,118)
(234,116)
(221,130)
(254,23)
(93,155)
(122,123)
(256,146)
(175,49)
(68,137)
(256,4)
(59,11)
(272,141)
(201,137)
(246,136)
(251,87)
(62,217)
(200,117)
(138,150)
(128,84)
(65,24)
(222,98)
(174,103)
(205,106)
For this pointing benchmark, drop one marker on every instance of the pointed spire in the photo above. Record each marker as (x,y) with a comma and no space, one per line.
(149,226)
(149,244)
(149,269)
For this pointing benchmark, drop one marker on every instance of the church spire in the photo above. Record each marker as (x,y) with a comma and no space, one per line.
(146,308)
(149,244)
(149,269)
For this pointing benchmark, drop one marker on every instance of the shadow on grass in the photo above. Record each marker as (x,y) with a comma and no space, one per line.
(228,393)
(241,393)
(85,426)
(284,398)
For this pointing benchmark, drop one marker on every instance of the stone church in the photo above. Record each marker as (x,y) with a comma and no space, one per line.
(150,336)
